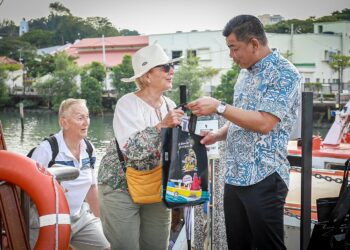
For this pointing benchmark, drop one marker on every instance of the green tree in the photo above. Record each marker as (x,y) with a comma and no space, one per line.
(62,83)
(97,71)
(224,91)
(126,32)
(192,75)
(16,49)
(92,79)
(123,70)
(300,26)
(91,90)
(4,91)
(59,9)
(102,26)
(39,38)
(339,63)
(8,28)
(40,65)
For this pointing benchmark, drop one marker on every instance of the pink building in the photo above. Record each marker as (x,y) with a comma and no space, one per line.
(90,50)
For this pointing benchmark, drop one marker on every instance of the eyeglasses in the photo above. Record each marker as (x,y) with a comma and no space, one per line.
(166,67)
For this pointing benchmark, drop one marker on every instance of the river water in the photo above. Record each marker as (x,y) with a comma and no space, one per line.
(40,124)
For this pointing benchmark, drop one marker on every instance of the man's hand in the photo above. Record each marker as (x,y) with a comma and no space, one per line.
(209,138)
(204,106)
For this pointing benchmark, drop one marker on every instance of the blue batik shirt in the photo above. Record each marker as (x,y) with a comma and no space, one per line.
(272,85)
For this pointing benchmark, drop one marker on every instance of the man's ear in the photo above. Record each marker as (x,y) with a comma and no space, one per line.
(63,122)
(255,43)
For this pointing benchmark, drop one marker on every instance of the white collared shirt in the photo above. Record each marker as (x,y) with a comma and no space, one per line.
(76,190)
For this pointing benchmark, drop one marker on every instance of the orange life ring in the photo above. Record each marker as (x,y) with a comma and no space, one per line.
(43,190)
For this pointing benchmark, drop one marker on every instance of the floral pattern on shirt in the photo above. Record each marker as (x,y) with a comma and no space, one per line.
(272,85)
(142,152)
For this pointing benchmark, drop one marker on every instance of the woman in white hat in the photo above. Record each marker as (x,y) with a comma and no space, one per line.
(138,119)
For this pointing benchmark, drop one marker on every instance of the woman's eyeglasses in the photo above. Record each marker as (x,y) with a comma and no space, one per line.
(166,67)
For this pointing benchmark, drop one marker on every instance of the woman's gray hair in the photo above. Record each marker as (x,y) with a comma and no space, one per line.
(66,104)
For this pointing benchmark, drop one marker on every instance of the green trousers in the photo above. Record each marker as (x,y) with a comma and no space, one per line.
(131,226)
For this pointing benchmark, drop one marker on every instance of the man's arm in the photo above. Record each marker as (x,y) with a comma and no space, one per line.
(212,137)
(261,122)
(92,199)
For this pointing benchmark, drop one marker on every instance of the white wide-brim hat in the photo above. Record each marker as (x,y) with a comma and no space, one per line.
(147,58)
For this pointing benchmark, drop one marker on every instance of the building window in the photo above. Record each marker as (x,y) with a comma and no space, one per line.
(317,79)
(176,54)
(328,55)
(204,54)
(320,28)
(191,52)
(307,79)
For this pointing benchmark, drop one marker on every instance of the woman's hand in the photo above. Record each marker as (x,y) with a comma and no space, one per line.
(171,120)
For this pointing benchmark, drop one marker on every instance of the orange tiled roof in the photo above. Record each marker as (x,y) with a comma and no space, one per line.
(7,60)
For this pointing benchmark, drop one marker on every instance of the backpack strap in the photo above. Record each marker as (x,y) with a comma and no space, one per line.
(89,150)
(120,155)
(54,148)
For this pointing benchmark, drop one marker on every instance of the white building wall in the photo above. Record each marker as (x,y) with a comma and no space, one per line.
(341,28)
(309,52)
(14,80)
(210,47)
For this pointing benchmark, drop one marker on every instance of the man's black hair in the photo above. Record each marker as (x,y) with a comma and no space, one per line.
(246,27)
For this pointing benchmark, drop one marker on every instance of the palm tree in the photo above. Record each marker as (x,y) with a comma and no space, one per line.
(339,63)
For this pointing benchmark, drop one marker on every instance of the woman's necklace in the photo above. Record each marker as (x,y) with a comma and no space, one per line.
(159,113)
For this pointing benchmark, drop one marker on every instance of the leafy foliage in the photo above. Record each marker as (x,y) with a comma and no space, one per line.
(62,83)
(39,38)
(91,90)
(306,26)
(192,76)
(97,71)
(16,48)
(225,90)
(92,79)
(8,28)
(4,92)
(123,70)
(40,65)
(339,63)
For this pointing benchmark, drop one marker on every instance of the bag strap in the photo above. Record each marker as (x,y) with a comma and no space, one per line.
(120,155)
(89,150)
(193,118)
(54,148)
(345,177)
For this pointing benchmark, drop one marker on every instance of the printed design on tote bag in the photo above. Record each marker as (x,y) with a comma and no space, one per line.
(184,185)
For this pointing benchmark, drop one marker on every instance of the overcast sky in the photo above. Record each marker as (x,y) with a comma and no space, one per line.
(161,16)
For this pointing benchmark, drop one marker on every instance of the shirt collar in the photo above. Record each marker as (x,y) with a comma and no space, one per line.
(270,58)
(63,146)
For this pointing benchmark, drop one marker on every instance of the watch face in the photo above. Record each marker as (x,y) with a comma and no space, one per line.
(221,108)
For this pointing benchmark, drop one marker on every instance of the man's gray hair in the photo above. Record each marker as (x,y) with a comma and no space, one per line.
(66,104)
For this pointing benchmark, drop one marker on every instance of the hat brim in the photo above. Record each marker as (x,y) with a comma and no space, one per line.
(133,78)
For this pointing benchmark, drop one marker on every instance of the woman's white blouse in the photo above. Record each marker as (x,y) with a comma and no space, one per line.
(133,115)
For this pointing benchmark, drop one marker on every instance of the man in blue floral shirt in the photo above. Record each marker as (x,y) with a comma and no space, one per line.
(266,103)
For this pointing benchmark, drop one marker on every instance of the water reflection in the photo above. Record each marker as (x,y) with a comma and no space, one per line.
(38,125)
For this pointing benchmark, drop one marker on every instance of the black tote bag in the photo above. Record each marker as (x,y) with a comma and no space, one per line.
(185,167)
(333,228)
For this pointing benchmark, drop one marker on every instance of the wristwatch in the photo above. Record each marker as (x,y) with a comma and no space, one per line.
(221,108)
